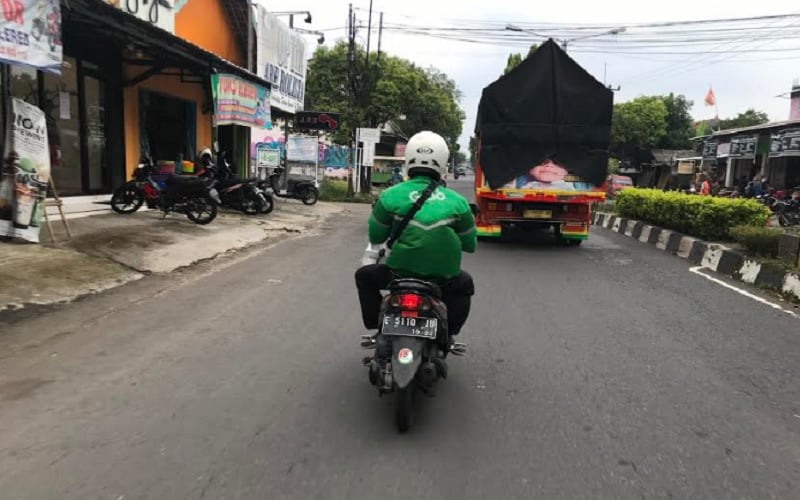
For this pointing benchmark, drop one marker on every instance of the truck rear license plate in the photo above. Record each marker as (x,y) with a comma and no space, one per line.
(537,214)
(409,327)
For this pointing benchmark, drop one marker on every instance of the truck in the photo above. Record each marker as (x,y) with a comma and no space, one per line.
(543,133)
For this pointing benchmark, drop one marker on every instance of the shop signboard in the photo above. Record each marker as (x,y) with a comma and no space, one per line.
(743,147)
(30,33)
(710,150)
(240,102)
(314,120)
(267,157)
(281,60)
(785,143)
(159,13)
(685,167)
(25,172)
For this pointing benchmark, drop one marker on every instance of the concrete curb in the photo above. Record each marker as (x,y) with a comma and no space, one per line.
(711,256)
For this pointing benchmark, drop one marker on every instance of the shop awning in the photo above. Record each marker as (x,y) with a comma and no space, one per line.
(113,24)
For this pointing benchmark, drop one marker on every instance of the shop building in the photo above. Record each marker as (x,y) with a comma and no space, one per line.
(133,83)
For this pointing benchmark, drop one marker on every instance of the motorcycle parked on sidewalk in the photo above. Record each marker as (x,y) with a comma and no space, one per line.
(411,345)
(303,190)
(193,196)
(788,213)
(235,192)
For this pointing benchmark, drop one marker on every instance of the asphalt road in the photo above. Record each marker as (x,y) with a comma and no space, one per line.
(605,371)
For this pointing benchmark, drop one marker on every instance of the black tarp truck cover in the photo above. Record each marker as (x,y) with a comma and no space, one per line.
(547,108)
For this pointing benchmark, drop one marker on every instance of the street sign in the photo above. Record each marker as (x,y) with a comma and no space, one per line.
(372,135)
(317,120)
(368,155)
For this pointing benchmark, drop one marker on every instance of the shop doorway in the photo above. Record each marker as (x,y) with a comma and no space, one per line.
(167,126)
(235,141)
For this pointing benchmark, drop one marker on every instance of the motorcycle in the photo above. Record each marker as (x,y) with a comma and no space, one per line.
(193,196)
(411,345)
(788,213)
(237,193)
(302,190)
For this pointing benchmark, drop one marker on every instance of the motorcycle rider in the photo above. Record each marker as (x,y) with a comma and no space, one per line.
(430,246)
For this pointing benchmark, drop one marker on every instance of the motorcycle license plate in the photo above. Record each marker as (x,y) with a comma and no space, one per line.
(410,327)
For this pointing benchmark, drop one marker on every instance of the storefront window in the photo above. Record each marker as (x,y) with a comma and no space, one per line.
(24,84)
(60,104)
(167,126)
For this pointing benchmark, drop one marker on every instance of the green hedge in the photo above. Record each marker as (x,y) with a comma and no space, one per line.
(704,217)
(758,241)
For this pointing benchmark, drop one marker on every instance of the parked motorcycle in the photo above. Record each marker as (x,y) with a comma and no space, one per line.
(302,190)
(193,196)
(411,345)
(235,192)
(788,213)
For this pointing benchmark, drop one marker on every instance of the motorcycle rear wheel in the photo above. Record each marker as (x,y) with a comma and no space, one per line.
(309,196)
(404,408)
(201,210)
(252,203)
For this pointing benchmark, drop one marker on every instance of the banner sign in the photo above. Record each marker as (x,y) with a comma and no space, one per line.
(744,147)
(312,120)
(785,143)
(281,60)
(25,172)
(159,13)
(239,102)
(30,33)
(710,150)
(303,149)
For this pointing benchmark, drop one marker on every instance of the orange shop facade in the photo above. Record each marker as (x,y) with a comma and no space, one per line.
(131,86)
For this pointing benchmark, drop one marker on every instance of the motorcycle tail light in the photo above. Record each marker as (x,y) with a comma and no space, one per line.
(410,302)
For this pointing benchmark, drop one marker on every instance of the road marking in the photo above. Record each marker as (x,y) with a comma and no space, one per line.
(696,270)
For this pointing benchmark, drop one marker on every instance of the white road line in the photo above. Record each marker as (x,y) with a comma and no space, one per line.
(696,270)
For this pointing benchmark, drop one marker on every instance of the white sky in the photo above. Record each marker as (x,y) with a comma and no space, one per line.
(739,81)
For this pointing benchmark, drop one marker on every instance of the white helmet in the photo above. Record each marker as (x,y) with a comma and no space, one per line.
(427,150)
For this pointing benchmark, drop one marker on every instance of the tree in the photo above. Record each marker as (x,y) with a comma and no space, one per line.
(473,149)
(515,59)
(639,124)
(412,97)
(679,123)
(746,119)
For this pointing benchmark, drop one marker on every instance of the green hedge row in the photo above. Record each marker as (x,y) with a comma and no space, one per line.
(759,241)
(704,217)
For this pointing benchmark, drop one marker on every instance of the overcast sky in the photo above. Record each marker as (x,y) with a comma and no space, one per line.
(740,81)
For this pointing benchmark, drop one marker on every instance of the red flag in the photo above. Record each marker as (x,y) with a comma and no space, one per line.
(711,100)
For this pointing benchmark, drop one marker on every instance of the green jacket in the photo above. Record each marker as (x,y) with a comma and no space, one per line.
(431,245)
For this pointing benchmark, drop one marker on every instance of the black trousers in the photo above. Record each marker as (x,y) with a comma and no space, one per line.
(456,294)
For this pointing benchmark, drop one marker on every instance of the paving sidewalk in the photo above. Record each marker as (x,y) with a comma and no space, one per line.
(110,250)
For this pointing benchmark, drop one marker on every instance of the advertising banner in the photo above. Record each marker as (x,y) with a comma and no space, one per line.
(239,102)
(315,120)
(710,150)
(744,147)
(30,33)
(159,13)
(25,172)
(785,143)
(281,60)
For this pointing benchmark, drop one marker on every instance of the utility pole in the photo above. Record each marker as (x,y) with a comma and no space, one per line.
(380,36)
(351,87)
(250,35)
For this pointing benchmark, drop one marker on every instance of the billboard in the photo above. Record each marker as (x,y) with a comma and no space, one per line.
(30,33)
(281,60)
